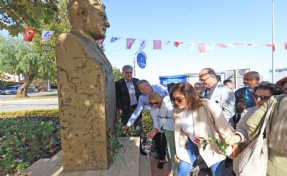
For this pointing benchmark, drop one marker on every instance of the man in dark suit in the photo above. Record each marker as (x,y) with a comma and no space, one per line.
(127,95)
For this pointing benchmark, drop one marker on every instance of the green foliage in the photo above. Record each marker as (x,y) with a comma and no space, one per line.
(222,146)
(18,57)
(146,122)
(25,140)
(15,14)
(59,25)
(117,73)
(33,134)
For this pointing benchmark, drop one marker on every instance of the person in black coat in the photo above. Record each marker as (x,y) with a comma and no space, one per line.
(127,95)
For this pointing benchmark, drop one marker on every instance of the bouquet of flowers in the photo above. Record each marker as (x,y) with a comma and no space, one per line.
(222,146)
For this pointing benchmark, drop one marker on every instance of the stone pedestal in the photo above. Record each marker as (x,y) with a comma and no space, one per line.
(86,102)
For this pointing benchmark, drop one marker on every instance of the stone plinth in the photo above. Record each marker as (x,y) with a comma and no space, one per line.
(126,164)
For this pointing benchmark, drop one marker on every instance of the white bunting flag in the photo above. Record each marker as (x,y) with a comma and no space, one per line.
(191,46)
(143,43)
(210,46)
(113,39)
(46,35)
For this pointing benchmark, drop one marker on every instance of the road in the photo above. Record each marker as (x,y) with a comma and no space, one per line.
(9,103)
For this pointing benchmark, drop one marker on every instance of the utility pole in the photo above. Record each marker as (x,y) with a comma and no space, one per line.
(273,44)
(134,66)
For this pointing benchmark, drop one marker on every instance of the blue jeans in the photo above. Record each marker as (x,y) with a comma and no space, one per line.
(184,167)
(217,169)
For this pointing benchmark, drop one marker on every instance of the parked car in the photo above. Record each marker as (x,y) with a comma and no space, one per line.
(10,90)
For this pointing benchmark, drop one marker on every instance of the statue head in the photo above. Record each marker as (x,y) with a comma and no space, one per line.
(89,17)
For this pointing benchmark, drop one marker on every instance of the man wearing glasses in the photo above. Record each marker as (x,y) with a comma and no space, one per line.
(217,92)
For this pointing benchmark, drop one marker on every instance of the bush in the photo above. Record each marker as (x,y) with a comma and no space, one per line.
(30,135)
(27,138)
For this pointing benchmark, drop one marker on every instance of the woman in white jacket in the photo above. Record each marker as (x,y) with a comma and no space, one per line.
(193,117)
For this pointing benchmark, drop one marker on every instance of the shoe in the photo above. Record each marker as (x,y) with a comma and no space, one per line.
(156,156)
(142,147)
(143,152)
(160,164)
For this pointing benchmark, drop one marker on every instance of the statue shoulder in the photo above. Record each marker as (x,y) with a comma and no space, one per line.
(66,37)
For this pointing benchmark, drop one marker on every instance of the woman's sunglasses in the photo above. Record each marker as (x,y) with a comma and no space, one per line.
(177,99)
(261,97)
(154,103)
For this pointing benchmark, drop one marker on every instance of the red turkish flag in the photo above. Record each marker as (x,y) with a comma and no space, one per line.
(285,45)
(176,44)
(29,34)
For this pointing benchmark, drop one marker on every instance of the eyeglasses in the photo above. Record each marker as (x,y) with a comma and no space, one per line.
(177,99)
(154,103)
(203,80)
(261,97)
(128,72)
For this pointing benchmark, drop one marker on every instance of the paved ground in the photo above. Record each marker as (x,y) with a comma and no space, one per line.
(159,172)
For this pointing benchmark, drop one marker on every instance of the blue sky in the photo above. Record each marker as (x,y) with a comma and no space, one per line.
(206,21)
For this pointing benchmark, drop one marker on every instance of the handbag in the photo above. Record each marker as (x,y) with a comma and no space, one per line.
(253,159)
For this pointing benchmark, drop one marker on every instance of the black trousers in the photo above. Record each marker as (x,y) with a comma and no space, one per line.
(161,145)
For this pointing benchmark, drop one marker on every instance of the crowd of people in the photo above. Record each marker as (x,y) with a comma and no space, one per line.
(189,121)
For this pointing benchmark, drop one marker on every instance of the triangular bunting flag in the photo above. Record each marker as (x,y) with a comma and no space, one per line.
(231,46)
(176,44)
(167,42)
(28,34)
(100,42)
(113,39)
(201,47)
(46,35)
(221,45)
(143,43)
(130,42)
(156,44)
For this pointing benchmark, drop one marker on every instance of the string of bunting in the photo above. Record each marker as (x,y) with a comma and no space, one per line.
(157,44)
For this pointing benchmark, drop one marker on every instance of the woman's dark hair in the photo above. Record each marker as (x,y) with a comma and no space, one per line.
(273,88)
(193,100)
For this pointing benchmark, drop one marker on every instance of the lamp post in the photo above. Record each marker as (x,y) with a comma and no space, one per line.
(273,44)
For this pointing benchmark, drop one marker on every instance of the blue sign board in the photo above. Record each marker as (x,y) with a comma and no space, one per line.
(141,59)
(165,80)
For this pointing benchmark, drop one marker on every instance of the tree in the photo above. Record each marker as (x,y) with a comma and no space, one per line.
(15,14)
(59,25)
(117,73)
(18,58)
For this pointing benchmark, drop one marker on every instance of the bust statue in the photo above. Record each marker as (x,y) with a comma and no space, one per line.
(86,88)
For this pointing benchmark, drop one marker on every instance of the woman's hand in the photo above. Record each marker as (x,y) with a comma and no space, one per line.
(175,158)
(233,139)
(152,133)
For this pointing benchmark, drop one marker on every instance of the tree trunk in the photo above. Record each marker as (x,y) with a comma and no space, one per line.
(22,91)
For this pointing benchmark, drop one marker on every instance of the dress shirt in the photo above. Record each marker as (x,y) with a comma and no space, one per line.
(132,93)
(165,114)
(209,91)
(143,101)
(187,124)
(154,115)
